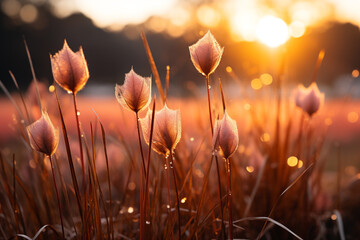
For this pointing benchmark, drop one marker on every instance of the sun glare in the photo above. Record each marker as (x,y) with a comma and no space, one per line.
(272,31)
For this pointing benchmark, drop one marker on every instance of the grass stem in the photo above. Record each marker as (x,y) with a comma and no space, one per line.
(57,195)
(176,191)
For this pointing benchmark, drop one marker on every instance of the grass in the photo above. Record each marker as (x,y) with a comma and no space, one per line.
(269,198)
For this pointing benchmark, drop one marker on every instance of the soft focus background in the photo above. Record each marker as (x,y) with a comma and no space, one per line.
(257,36)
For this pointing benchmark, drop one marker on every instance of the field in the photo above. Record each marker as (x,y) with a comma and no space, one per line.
(264,165)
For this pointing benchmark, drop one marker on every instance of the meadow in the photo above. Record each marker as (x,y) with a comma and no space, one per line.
(232,162)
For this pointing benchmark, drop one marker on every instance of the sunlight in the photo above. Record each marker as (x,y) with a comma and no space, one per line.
(272,31)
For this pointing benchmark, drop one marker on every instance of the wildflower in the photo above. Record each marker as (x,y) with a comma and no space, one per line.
(43,136)
(135,93)
(206,54)
(166,132)
(309,99)
(70,69)
(226,135)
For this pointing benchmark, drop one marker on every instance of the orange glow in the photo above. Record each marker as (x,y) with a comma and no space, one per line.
(292,161)
(328,121)
(256,84)
(355,73)
(352,117)
(208,16)
(266,79)
(250,169)
(272,31)
(297,29)
(265,137)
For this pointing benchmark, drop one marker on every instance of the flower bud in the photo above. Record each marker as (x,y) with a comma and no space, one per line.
(70,69)
(309,99)
(135,93)
(226,135)
(43,136)
(206,54)
(166,132)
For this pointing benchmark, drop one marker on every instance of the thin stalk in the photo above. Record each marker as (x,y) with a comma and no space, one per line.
(168,207)
(109,181)
(148,159)
(216,159)
(57,195)
(177,193)
(208,86)
(142,173)
(140,144)
(71,164)
(229,198)
(82,160)
(79,137)
(14,196)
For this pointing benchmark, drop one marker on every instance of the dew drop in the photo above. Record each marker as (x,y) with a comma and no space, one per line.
(148,222)
(82,135)
(22,121)
(209,86)
(78,113)
(168,206)
(165,166)
(69,92)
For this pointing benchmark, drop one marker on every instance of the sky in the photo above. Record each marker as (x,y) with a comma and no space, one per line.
(272,22)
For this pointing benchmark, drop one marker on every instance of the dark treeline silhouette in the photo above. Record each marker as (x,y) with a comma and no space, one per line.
(111,54)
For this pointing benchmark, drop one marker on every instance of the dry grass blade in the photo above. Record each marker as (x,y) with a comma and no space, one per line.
(41,230)
(33,74)
(268,219)
(340,224)
(255,188)
(282,194)
(21,95)
(11,100)
(69,157)
(153,67)
(202,198)
(318,64)
(167,79)
(148,159)
(222,95)
(108,175)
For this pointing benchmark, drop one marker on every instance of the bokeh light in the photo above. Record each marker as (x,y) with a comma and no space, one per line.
(352,117)
(272,31)
(292,161)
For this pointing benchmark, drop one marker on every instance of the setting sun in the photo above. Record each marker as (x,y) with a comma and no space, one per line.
(272,31)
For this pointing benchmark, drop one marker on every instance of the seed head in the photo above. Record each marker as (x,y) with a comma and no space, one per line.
(70,69)
(135,93)
(43,136)
(206,54)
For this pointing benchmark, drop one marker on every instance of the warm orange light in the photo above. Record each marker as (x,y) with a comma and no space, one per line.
(355,73)
(51,88)
(272,31)
(250,169)
(328,121)
(266,79)
(352,117)
(208,16)
(228,69)
(292,161)
(300,164)
(256,84)
(297,29)
(265,137)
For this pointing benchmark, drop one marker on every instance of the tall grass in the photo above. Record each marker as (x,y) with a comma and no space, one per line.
(126,197)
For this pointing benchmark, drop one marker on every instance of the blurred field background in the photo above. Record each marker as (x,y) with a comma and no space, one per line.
(109,32)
